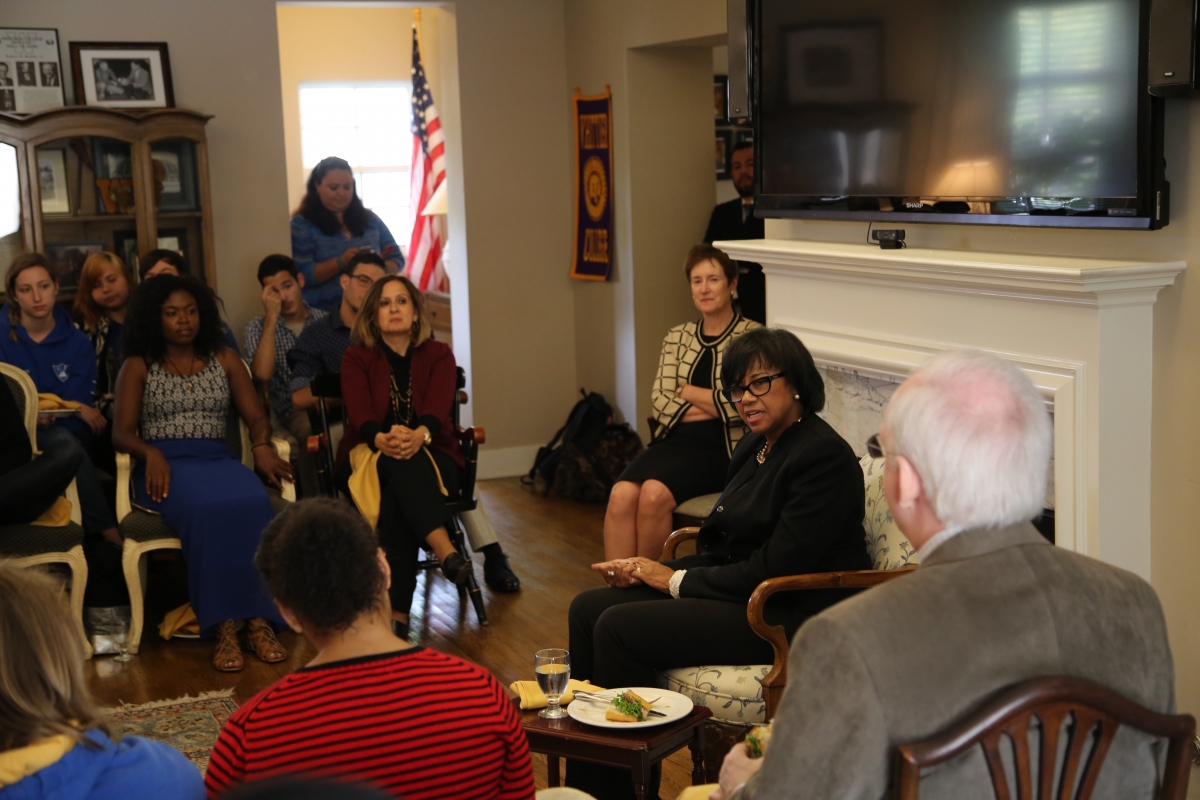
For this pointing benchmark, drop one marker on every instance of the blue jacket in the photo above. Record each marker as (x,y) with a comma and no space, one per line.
(130,769)
(63,363)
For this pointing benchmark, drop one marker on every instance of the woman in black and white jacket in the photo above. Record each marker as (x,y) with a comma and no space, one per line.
(695,427)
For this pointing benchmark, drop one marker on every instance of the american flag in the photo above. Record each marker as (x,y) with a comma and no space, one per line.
(428,171)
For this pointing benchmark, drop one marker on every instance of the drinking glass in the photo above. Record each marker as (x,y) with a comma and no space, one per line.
(121,639)
(553,669)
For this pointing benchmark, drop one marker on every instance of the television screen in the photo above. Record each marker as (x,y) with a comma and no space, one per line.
(985,107)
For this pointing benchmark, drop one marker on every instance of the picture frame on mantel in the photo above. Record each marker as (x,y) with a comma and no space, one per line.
(30,70)
(122,74)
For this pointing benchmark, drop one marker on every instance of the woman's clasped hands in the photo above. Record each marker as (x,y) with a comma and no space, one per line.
(622,573)
(399,442)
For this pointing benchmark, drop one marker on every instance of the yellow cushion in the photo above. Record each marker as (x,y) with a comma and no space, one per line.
(886,545)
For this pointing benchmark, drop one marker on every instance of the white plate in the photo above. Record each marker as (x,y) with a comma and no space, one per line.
(591,712)
(58,412)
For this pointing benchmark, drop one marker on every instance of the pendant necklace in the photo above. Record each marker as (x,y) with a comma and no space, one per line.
(762,454)
(190,385)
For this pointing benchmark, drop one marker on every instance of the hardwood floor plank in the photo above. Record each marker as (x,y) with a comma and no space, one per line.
(550,543)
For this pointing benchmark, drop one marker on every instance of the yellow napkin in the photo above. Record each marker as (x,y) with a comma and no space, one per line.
(50,402)
(57,515)
(180,622)
(532,697)
(698,792)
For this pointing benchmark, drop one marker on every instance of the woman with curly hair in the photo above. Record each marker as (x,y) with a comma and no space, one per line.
(331,227)
(172,402)
(53,740)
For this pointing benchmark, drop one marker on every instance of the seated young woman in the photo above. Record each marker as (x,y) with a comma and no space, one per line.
(172,402)
(169,262)
(398,388)
(696,427)
(369,708)
(793,504)
(36,334)
(53,741)
(100,302)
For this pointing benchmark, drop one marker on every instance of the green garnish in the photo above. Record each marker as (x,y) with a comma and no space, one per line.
(631,707)
(755,746)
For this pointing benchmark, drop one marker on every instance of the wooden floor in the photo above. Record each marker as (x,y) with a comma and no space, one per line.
(550,543)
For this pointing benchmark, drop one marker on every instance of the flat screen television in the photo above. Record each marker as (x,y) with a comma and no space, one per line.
(1011,112)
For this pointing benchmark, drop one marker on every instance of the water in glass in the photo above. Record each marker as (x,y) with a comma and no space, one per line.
(553,670)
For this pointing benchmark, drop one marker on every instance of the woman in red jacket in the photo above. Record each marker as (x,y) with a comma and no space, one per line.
(398,387)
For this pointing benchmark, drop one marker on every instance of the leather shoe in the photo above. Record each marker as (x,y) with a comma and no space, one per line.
(457,569)
(499,576)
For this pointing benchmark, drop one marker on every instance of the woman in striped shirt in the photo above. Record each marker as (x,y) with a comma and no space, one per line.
(370,708)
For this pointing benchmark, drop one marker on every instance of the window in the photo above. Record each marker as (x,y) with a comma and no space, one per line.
(367,124)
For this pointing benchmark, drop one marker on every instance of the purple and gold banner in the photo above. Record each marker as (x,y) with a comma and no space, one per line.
(594,242)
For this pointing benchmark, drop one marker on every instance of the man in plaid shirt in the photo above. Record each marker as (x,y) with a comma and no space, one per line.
(269,337)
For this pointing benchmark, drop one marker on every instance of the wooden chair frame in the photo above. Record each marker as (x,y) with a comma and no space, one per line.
(775,681)
(73,558)
(133,553)
(1051,700)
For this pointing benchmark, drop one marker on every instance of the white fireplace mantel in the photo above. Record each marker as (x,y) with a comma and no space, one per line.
(1082,329)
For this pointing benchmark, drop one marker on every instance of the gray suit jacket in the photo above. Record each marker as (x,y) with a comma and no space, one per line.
(902,661)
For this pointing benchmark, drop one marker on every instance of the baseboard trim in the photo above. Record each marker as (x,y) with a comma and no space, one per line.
(505,462)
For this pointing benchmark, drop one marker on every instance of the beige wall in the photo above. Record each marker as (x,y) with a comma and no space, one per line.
(224,62)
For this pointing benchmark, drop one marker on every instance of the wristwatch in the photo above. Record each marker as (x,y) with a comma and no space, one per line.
(425,433)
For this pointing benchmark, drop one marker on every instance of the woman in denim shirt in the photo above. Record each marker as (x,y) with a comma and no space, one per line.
(330,226)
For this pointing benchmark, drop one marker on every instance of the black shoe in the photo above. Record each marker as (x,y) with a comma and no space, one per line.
(457,569)
(400,629)
(498,575)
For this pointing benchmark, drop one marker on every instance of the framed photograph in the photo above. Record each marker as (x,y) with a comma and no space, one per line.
(839,64)
(745,136)
(30,70)
(125,245)
(174,164)
(113,167)
(724,150)
(721,97)
(122,74)
(68,260)
(52,178)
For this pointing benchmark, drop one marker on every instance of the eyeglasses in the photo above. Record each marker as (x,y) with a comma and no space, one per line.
(875,447)
(365,281)
(758,387)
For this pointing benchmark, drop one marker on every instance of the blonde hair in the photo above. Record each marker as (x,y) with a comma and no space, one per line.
(366,324)
(15,268)
(42,689)
(86,309)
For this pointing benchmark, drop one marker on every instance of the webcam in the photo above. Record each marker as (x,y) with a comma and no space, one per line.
(889,239)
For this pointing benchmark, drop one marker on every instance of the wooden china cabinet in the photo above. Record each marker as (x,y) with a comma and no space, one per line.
(78,180)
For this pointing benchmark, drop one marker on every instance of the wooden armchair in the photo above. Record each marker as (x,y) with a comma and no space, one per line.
(775,681)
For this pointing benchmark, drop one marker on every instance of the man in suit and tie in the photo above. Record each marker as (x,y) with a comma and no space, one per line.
(967,443)
(4,79)
(735,220)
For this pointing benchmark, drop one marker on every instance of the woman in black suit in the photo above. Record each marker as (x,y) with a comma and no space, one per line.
(793,504)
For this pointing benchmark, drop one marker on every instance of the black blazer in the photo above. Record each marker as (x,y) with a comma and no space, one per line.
(725,223)
(801,511)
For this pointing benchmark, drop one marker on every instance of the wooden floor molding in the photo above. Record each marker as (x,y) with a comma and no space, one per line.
(551,544)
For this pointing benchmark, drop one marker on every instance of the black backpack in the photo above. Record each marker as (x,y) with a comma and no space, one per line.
(585,424)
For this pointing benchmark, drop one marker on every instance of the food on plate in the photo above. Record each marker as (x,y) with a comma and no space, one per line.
(627,707)
(757,740)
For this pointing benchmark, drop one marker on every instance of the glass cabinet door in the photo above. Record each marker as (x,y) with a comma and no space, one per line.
(12,233)
(87,203)
(177,201)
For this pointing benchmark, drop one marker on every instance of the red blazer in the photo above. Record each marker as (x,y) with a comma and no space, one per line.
(366,392)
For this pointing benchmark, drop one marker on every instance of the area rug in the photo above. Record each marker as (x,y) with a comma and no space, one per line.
(189,724)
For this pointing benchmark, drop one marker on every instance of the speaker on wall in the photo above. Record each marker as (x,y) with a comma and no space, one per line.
(1172,62)
(741,53)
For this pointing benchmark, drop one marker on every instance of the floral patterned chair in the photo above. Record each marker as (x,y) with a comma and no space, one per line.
(740,696)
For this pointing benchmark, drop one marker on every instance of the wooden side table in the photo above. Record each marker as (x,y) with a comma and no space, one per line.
(635,750)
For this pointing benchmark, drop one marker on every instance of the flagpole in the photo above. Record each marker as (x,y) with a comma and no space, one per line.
(417,27)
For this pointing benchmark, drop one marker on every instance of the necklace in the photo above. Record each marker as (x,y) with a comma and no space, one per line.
(762,454)
(179,372)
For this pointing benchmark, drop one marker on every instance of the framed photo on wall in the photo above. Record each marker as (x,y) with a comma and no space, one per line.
(30,70)
(724,150)
(122,74)
(721,97)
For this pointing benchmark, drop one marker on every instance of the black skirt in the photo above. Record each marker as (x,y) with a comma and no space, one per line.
(691,460)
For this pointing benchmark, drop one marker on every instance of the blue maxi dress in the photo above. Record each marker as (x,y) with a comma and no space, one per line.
(216,505)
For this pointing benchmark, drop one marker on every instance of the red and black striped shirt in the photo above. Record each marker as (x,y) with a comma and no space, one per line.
(416,723)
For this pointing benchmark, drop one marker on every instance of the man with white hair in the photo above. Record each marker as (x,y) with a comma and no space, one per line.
(967,444)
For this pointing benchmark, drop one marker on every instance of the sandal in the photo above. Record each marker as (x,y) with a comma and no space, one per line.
(228,655)
(263,642)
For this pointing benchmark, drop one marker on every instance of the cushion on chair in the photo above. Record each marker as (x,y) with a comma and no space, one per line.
(20,541)
(699,507)
(887,546)
(732,693)
(142,526)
